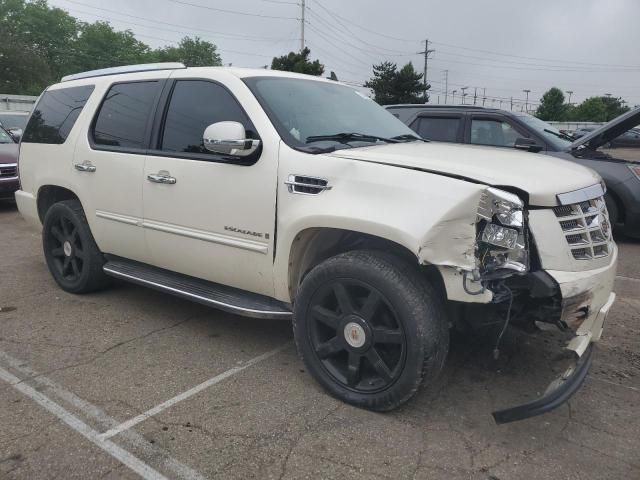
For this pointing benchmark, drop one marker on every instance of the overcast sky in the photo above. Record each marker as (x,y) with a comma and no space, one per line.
(591,47)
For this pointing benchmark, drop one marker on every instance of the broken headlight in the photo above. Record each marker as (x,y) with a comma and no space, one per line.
(501,242)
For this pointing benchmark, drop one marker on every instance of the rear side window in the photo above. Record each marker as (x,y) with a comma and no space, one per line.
(125,115)
(439,129)
(194,105)
(55,114)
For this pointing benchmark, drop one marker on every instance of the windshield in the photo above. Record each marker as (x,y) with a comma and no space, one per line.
(10,120)
(4,137)
(317,116)
(551,134)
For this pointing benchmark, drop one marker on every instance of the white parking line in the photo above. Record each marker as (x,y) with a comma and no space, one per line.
(189,393)
(130,437)
(134,463)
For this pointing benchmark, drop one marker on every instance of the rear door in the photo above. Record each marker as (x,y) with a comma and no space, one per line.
(216,219)
(440,127)
(108,164)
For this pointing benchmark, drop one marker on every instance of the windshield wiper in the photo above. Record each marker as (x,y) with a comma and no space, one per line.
(560,135)
(349,137)
(409,138)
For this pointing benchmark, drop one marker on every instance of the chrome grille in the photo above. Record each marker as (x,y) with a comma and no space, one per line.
(586,227)
(10,170)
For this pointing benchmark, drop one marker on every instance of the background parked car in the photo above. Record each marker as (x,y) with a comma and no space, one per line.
(14,123)
(8,165)
(502,128)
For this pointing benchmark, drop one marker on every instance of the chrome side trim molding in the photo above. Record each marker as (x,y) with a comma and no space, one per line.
(199,298)
(581,195)
(116,217)
(207,236)
(8,179)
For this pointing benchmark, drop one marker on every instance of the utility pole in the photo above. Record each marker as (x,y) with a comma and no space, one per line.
(526,102)
(302,27)
(426,54)
(512,104)
(484,96)
(464,94)
(453,96)
(446,85)
(475,94)
(570,92)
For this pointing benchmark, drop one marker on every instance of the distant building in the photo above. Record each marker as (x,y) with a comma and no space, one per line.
(17,103)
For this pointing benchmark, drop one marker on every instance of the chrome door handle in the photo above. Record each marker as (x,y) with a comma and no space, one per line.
(85,167)
(161,177)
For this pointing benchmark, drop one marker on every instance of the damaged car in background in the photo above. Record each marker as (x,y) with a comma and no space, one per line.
(373,241)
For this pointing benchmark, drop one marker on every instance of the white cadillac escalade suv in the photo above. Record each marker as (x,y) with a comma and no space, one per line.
(278,195)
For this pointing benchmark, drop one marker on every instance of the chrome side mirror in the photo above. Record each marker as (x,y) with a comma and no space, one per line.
(229,138)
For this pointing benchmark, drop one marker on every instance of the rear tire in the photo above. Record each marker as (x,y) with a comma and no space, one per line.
(73,258)
(370,328)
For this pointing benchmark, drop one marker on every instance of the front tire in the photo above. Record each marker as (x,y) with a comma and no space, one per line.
(73,258)
(370,328)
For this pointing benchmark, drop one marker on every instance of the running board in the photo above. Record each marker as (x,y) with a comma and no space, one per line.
(222,297)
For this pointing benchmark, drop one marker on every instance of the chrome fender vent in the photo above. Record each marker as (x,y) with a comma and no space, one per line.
(306,185)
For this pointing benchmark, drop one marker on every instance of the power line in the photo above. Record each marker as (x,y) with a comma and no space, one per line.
(233,12)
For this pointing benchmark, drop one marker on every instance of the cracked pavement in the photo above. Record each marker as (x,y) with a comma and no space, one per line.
(127,349)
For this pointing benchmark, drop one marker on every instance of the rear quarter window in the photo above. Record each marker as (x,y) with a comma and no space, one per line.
(55,114)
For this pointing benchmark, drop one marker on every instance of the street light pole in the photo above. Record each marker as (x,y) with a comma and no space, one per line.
(453,96)
(464,94)
(526,102)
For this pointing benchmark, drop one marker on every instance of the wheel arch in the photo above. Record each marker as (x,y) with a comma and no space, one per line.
(49,195)
(312,246)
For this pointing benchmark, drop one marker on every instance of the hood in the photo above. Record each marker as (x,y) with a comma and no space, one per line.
(540,176)
(8,153)
(609,131)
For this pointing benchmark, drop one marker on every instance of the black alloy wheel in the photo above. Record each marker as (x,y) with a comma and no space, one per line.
(356,335)
(73,258)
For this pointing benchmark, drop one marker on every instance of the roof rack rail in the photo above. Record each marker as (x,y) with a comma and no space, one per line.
(143,67)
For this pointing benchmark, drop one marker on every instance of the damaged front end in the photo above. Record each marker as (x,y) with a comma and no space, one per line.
(514,287)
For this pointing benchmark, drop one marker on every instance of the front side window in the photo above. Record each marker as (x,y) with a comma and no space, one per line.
(55,114)
(194,105)
(125,114)
(439,129)
(493,132)
(317,116)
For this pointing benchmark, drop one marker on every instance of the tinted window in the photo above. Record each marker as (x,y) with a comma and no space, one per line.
(493,132)
(124,115)
(439,129)
(55,114)
(194,105)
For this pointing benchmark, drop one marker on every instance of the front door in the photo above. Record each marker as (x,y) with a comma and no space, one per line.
(209,215)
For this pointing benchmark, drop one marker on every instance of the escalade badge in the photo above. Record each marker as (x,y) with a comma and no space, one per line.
(246,232)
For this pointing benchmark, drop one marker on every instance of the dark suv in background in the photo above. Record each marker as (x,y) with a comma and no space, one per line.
(8,165)
(501,128)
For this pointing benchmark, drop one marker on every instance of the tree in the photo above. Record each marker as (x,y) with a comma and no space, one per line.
(614,107)
(391,85)
(193,52)
(552,106)
(100,46)
(298,62)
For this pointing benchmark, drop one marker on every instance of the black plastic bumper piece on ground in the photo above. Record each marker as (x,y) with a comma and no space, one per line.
(552,399)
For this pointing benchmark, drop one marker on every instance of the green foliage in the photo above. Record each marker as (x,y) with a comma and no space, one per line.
(298,62)
(598,109)
(40,44)
(593,109)
(391,86)
(552,106)
(193,52)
